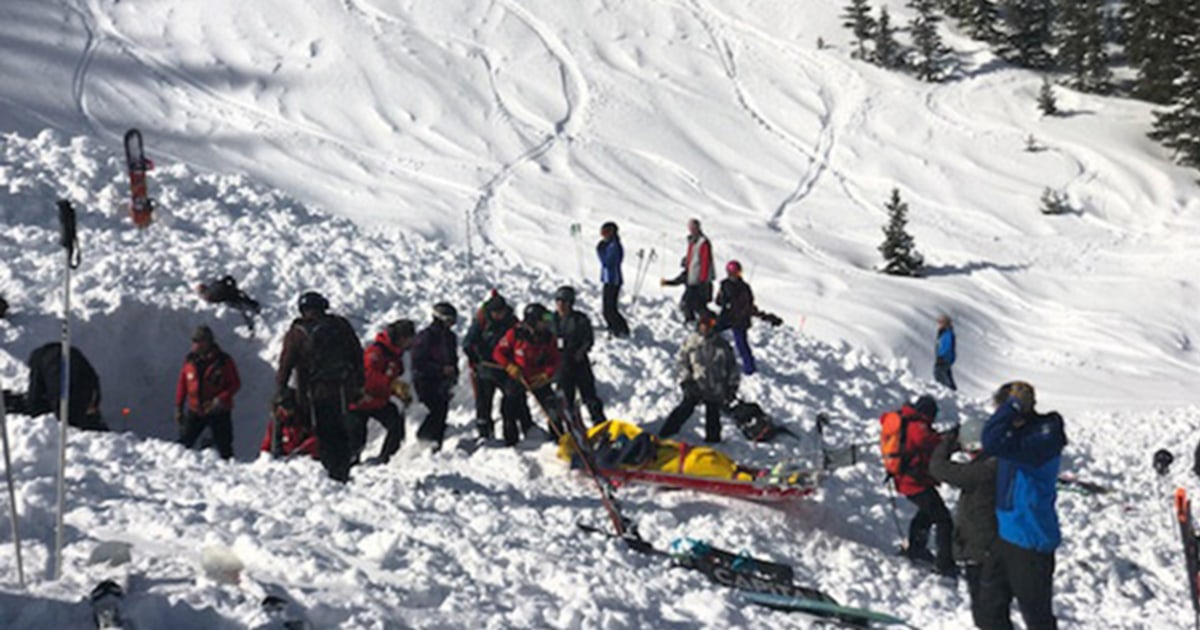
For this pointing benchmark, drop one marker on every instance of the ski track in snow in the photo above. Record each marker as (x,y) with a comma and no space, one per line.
(79,78)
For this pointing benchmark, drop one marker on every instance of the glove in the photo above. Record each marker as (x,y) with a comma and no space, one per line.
(691,388)
(662,282)
(1022,393)
(539,381)
(401,390)
(213,406)
(513,370)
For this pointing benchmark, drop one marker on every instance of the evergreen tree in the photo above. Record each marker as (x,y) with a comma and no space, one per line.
(1178,128)
(982,20)
(900,256)
(887,50)
(858,19)
(1046,100)
(931,53)
(957,9)
(1081,39)
(1156,36)
(1028,32)
(1055,202)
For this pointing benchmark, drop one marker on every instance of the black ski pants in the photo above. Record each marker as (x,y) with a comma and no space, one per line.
(613,320)
(191,425)
(391,419)
(514,409)
(1011,571)
(943,375)
(973,571)
(931,513)
(683,411)
(328,417)
(437,401)
(577,375)
(695,300)
(485,395)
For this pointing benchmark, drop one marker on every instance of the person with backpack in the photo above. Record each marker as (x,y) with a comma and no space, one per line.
(573,330)
(322,359)
(288,434)
(975,512)
(707,373)
(944,353)
(45,383)
(1028,448)
(204,393)
(697,274)
(492,321)
(529,355)
(383,364)
(907,439)
(611,254)
(435,371)
(736,300)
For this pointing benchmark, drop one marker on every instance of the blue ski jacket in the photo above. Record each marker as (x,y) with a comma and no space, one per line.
(611,254)
(1029,457)
(945,345)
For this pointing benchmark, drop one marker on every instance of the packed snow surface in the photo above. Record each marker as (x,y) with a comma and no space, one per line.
(395,154)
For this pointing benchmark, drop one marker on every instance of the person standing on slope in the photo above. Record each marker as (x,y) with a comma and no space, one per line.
(435,371)
(492,321)
(975,513)
(611,254)
(736,300)
(708,374)
(944,353)
(322,360)
(529,355)
(1028,447)
(908,440)
(204,393)
(383,363)
(697,274)
(574,332)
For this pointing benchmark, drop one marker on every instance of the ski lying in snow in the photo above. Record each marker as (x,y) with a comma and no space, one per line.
(141,206)
(860,617)
(106,606)
(1191,550)
(1071,483)
(577,433)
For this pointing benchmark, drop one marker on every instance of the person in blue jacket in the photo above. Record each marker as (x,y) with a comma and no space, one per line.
(944,353)
(1028,448)
(611,254)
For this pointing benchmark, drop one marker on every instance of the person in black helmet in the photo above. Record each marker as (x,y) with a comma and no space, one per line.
(574,333)
(322,359)
(708,373)
(435,371)
(529,355)
(492,321)
(611,254)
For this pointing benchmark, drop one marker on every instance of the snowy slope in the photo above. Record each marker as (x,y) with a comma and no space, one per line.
(437,133)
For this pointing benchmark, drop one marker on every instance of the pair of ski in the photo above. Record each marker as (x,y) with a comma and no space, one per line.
(765,583)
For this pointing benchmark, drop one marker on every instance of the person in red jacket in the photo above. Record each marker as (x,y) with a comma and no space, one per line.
(204,393)
(383,361)
(917,485)
(294,436)
(697,274)
(529,355)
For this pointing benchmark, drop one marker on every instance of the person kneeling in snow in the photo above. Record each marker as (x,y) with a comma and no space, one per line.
(287,432)
(1028,446)
(45,383)
(204,393)
(383,363)
(707,373)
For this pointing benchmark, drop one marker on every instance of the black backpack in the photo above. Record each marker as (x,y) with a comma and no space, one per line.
(326,359)
(754,423)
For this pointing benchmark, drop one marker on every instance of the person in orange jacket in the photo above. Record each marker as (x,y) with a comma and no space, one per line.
(529,355)
(383,363)
(915,482)
(204,393)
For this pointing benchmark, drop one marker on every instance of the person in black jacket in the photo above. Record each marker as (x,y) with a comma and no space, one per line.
(45,381)
(975,514)
(435,371)
(574,333)
(736,300)
(494,319)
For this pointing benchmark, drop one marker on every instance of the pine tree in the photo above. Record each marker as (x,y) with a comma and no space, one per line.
(931,52)
(1028,32)
(1081,39)
(982,20)
(1156,36)
(1046,100)
(887,50)
(858,19)
(1055,202)
(1178,128)
(957,9)
(900,256)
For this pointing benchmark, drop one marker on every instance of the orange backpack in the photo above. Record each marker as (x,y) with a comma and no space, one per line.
(893,435)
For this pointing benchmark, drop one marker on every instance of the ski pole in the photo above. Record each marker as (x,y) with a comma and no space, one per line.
(70,243)
(12,495)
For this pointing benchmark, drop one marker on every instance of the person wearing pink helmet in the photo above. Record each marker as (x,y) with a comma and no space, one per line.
(736,300)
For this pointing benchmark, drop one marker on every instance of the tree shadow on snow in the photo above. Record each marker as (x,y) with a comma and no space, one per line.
(970,268)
